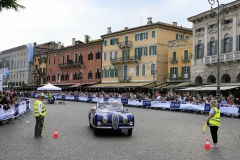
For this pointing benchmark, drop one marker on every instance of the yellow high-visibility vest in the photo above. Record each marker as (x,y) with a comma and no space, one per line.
(36,109)
(215,120)
(42,94)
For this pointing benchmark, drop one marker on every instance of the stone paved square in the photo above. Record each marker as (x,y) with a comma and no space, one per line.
(158,135)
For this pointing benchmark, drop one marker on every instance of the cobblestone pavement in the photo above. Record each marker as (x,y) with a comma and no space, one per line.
(158,134)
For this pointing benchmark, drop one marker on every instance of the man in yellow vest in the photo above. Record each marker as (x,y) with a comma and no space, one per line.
(40,112)
(42,94)
(214,122)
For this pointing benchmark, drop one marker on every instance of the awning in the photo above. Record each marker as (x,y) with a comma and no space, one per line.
(161,86)
(118,85)
(208,88)
(181,84)
(82,84)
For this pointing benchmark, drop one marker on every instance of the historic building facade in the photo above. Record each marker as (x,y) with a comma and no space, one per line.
(16,65)
(76,65)
(136,57)
(179,61)
(205,35)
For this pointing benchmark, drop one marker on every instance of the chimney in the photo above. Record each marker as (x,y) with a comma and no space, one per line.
(149,20)
(59,45)
(73,42)
(174,23)
(85,39)
(109,30)
(126,28)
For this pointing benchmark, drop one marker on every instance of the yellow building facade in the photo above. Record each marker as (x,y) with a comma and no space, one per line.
(179,62)
(139,56)
(39,69)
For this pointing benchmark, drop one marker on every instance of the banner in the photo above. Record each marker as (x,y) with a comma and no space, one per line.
(146,103)
(76,98)
(175,105)
(124,101)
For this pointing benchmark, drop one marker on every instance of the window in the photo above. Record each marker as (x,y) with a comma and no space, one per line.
(227,21)
(110,55)
(200,29)
(80,58)
(173,72)
(185,72)
(113,41)
(137,70)
(62,77)
(63,59)
(226,44)
(20,75)
(199,50)
(152,50)
(185,56)
(75,76)
(76,57)
(90,74)
(174,56)
(137,53)
(48,77)
(23,63)
(49,61)
(153,34)
(115,72)
(53,77)
(212,26)
(212,46)
(144,51)
(179,36)
(104,73)
(104,56)
(98,73)
(54,60)
(68,58)
(152,69)
(98,55)
(90,56)
(105,42)
(187,37)
(143,69)
(67,77)
(141,36)
(115,56)
(125,54)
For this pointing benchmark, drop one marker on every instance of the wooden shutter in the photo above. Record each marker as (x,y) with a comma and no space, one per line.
(135,37)
(128,54)
(188,69)
(135,53)
(171,72)
(222,46)
(141,36)
(146,35)
(140,49)
(182,72)
(208,49)
(150,50)
(230,44)
(176,72)
(176,36)
(146,49)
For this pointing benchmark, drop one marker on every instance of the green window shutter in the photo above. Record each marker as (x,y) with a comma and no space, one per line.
(140,52)
(155,50)
(102,73)
(141,36)
(150,50)
(116,72)
(128,54)
(117,40)
(146,35)
(176,36)
(135,53)
(146,49)
(106,74)
(135,37)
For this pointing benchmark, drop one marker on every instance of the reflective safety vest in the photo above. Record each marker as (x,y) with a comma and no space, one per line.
(215,120)
(36,108)
(42,94)
(49,95)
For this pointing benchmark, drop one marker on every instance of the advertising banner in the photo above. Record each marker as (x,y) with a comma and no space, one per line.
(124,101)
(146,103)
(175,105)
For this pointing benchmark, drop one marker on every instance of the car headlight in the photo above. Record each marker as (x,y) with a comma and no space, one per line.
(105,120)
(131,123)
(125,119)
(99,123)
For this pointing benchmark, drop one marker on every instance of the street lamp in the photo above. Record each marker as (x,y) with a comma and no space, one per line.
(80,77)
(220,9)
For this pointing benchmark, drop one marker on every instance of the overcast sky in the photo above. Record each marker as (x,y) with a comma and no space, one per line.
(62,20)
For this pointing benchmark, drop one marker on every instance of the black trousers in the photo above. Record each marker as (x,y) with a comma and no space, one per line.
(38,127)
(214,130)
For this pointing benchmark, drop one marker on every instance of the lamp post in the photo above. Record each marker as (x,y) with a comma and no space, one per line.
(80,77)
(221,8)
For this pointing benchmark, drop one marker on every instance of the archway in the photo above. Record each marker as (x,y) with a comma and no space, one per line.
(238,78)
(225,78)
(198,80)
(211,79)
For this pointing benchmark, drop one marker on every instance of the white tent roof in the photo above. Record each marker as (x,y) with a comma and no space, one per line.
(49,87)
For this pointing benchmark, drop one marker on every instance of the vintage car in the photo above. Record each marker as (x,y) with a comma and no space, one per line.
(110,115)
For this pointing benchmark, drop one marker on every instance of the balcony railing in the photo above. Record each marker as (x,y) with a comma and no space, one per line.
(178,77)
(185,59)
(71,64)
(124,78)
(125,59)
(125,44)
(173,60)
(226,57)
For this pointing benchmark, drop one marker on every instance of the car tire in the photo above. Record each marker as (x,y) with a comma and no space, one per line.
(96,132)
(129,132)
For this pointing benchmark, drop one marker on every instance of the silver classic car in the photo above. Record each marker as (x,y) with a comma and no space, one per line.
(110,115)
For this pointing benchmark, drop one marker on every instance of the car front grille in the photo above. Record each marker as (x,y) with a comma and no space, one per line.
(115,120)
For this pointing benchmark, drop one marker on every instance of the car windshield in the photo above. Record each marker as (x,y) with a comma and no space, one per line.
(109,105)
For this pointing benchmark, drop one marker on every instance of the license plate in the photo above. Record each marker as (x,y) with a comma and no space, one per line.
(124,130)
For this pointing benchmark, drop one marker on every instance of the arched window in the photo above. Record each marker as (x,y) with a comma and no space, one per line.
(76,57)
(80,58)
(16,83)
(67,77)
(62,77)
(98,55)
(49,61)
(75,76)
(90,74)
(137,70)
(98,73)
(143,69)
(199,50)
(20,83)
(90,56)
(48,77)
(68,58)
(54,77)
(212,46)
(174,56)
(226,43)
(63,59)
(23,83)
(152,69)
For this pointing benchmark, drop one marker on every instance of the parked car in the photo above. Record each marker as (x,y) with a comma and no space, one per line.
(110,115)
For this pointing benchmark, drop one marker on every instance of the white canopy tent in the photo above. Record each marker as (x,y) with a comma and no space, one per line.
(49,87)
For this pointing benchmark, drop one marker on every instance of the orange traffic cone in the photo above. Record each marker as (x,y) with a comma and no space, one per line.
(207,145)
(55,134)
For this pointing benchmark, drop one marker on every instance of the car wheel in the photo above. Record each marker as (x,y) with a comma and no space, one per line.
(96,131)
(129,132)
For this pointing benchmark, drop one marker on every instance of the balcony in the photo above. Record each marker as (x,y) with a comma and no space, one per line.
(43,57)
(125,60)
(71,65)
(35,71)
(177,77)
(173,60)
(185,59)
(125,44)
(226,57)
(124,79)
